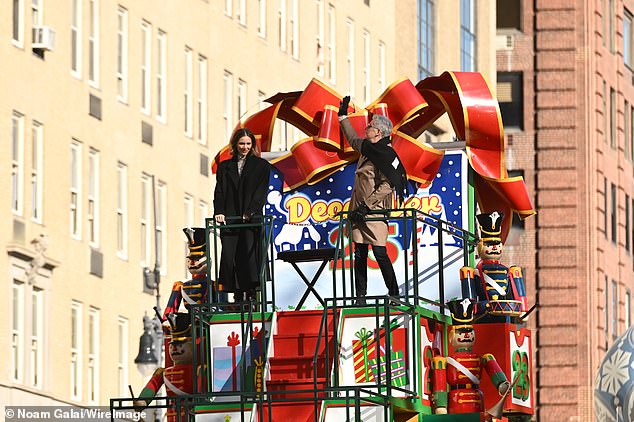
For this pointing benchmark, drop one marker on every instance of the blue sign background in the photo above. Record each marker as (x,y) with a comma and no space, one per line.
(300,225)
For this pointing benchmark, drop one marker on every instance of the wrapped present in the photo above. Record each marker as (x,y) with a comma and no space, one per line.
(397,368)
(362,350)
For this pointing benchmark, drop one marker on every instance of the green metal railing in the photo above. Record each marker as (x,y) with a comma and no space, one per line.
(213,233)
(384,310)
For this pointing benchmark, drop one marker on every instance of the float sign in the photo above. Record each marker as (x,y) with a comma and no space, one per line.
(306,218)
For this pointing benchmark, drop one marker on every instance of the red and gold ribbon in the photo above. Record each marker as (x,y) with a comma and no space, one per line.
(466,98)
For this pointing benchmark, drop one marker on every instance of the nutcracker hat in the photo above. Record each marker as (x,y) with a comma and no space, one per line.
(461,312)
(490,226)
(181,327)
(195,241)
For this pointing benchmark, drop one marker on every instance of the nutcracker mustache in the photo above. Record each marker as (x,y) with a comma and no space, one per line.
(197,265)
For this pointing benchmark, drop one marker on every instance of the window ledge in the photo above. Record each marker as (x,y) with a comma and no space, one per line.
(25,254)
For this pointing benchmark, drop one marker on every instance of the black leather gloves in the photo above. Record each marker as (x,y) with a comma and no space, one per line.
(343,106)
(357,216)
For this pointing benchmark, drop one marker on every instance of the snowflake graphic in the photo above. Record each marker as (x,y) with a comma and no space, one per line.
(616,371)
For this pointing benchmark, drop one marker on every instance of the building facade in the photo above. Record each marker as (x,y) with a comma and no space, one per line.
(112,113)
(564,84)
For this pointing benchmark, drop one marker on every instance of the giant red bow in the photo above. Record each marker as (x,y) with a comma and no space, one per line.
(465,96)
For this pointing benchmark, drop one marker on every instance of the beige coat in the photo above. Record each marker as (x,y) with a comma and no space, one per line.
(371,187)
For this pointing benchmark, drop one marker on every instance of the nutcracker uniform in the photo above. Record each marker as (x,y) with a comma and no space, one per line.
(178,377)
(498,290)
(192,291)
(463,369)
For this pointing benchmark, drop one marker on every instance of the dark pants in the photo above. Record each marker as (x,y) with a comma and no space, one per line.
(240,260)
(361,269)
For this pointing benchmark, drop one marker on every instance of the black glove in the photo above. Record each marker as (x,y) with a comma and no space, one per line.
(359,214)
(343,106)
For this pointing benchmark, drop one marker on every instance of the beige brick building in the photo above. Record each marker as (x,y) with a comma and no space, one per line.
(101,97)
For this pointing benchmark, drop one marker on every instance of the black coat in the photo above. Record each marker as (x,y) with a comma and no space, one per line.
(236,196)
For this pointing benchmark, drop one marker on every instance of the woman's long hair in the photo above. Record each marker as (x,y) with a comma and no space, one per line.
(239,134)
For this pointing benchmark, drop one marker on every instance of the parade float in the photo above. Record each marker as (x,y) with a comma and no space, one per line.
(452,347)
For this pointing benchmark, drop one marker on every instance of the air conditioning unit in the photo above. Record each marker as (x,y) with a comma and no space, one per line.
(43,38)
(504,42)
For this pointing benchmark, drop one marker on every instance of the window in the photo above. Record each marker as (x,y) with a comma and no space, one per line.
(631,139)
(203,210)
(202,100)
(366,67)
(516,222)
(75,38)
(189,83)
(188,211)
(350,55)
(615,310)
(627,38)
(281,20)
(75,190)
(628,310)
(332,45)
(242,98)
(18,23)
(294,32)
(626,129)
(242,12)
(612,118)
(605,113)
(612,25)
(17,331)
(37,345)
(262,100)
(93,44)
(122,210)
(17,163)
(36,172)
(320,37)
(146,208)
(467,36)
(93,197)
(93,355)
(122,358)
(426,31)
(613,212)
(146,45)
(605,207)
(627,223)
(381,65)
(262,18)
(510,97)
(508,14)
(604,21)
(606,311)
(228,7)
(75,351)
(228,104)
(161,225)
(188,221)
(122,54)
(161,77)
(36,22)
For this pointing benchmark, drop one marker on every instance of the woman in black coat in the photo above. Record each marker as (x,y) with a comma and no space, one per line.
(241,187)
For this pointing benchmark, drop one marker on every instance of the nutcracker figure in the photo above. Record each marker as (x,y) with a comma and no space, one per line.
(191,291)
(498,290)
(462,369)
(177,378)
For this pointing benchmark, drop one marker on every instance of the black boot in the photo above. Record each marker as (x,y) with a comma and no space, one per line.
(360,272)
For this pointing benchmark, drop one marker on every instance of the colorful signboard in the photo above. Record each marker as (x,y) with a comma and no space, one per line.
(307,218)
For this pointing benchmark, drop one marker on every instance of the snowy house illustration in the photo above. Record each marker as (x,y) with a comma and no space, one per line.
(297,238)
